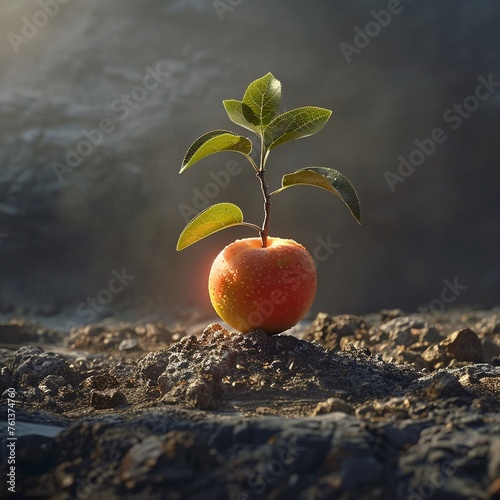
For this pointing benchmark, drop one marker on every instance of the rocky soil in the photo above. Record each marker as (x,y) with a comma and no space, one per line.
(389,405)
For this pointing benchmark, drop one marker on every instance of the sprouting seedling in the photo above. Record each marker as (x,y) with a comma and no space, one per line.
(265,282)
(258,113)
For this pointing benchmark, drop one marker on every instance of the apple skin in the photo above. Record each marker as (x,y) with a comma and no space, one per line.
(268,288)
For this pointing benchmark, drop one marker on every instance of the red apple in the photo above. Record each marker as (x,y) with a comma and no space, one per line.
(269,288)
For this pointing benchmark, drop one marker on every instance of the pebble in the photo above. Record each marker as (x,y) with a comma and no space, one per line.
(331,405)
(128,344)
(464,345)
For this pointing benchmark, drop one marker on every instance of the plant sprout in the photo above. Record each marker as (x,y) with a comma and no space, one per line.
(258,112)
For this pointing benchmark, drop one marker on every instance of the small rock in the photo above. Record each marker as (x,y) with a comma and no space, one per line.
(93,330)
(66,393)
(331,405)
(464,345)
(388,314)
(201,394)
(111,339)
(51,384)
(435,354)
(128,345)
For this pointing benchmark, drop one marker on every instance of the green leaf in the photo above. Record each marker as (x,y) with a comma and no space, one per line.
(295,124)
(240,114)
(210,221)
(215,142)
(325,178)
(262,98)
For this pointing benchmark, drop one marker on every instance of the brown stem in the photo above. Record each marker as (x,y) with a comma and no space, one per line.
(261,174)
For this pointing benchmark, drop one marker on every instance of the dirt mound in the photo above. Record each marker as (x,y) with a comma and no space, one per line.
(129,411)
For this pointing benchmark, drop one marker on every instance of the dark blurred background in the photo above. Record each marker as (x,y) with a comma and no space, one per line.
(100,100)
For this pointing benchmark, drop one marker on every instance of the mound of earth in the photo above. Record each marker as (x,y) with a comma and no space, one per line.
(382,406)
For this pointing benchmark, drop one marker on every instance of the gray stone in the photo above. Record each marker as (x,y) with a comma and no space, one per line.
(128,345)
